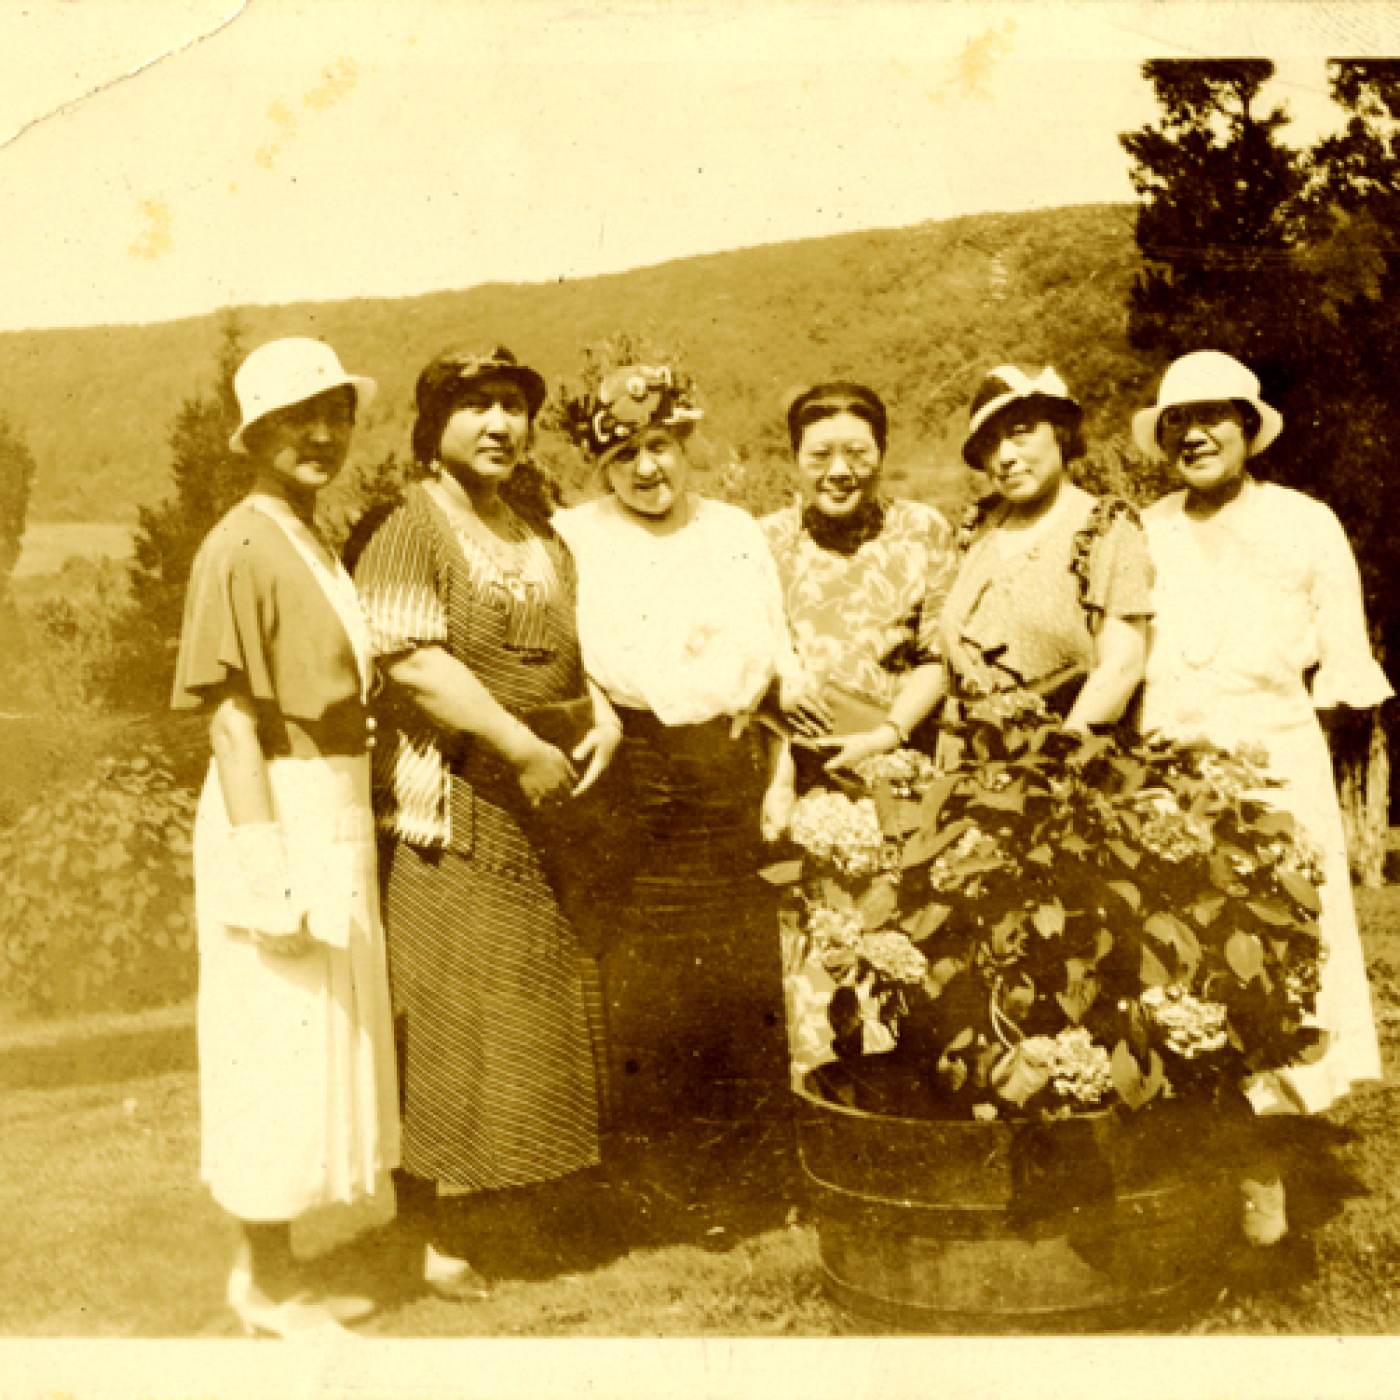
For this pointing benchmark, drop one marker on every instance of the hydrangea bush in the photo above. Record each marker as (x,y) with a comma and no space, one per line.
(1049,923)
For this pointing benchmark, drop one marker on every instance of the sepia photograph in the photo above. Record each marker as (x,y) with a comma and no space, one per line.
(697,698)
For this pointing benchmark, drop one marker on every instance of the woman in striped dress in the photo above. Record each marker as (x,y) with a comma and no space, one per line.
(471,607)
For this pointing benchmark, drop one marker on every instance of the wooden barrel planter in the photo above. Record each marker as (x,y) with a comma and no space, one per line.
(1095,1223)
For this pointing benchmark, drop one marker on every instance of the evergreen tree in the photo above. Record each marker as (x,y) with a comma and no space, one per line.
(16,479)
(207,478)
(1220,213)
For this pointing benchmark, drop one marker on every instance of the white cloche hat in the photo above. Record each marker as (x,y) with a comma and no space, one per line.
(1206,376)
(288,371)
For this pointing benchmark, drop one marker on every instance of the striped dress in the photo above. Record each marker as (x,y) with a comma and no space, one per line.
(498,1036)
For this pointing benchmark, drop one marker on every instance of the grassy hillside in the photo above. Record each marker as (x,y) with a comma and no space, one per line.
(919,312)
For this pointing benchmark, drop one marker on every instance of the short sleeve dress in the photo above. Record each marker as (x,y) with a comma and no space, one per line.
(1259,623)
(298,1098)
(1021,616)
(500,1085)
(861,617)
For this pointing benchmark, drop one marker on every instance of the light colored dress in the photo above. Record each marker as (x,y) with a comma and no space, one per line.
(1259,621)
(861,618)
(298,1098)
(1025,607)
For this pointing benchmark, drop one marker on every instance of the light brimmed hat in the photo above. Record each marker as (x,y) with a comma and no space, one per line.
(443,379)
(1206,376)
(1007,385)
(627,402)
(286,372)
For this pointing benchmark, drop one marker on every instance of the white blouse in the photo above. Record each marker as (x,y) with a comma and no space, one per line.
(688,625)
(1259,617)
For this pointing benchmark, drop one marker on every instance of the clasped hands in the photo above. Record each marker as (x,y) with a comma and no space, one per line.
(547,775)
(811,717)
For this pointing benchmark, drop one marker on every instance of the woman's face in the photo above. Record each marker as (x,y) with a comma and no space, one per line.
(488,431)
(1206,443)
(838,464)
(648,472)
(1022,457)
(304,445)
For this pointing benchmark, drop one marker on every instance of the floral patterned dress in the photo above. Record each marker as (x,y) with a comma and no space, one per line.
(860,620)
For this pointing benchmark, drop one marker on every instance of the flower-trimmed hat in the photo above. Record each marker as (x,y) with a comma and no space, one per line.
(628,401)
(1206,376)
(1007,385)
(286,372)
(447,374)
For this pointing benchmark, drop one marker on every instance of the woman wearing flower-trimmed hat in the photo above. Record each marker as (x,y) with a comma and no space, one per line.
(681,621)
(1259,624)
(1052,589)
(297,1085)
(471,602)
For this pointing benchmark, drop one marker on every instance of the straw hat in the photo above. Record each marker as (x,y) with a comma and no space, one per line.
(1009,384)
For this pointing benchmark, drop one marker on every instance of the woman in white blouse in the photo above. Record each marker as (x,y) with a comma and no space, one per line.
(680,617)
(1258,625)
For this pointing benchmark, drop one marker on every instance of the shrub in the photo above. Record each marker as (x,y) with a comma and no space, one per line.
(96,907)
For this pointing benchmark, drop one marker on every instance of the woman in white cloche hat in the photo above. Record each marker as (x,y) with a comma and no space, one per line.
(1258,625)
(296,1062)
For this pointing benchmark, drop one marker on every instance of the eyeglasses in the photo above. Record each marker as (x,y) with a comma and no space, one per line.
(855,454)
(1180,418)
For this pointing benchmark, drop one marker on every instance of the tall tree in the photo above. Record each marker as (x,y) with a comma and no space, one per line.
(16,479)
(1219,212)
(206,479)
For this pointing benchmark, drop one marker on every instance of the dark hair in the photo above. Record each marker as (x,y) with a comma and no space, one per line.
(447,376)
(1063,418)
(829,399)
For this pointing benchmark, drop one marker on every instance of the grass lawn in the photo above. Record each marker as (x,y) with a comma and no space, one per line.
(695,1231)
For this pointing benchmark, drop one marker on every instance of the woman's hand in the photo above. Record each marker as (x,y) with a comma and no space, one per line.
(800,699)
(544,773)
(852,749)
(285,945)
(597,746)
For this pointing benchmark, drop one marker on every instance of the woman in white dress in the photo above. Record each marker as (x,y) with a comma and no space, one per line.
(296,1057)
(1259,624)
(680,617)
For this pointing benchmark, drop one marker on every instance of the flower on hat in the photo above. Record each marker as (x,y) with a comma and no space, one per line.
(627,401)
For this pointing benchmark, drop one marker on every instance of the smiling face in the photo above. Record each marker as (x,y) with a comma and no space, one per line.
(302,447)
(838,464)
(1021,453)
(488,431)
(1206,443)
(648,472)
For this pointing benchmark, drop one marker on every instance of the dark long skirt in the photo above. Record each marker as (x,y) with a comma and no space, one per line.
(691,971)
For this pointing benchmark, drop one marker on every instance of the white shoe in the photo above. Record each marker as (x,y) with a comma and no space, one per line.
(299,1315)
(450,1277)
(1265,1220)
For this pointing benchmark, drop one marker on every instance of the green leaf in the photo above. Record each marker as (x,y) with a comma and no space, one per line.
(1127,892)
(925,922)
(1125,853)
(1270,911)
(928,841)
(1078,996)
(1303,892)
(782,872)
(1128,1078)
(939,974)
(1207,909)
(1041,855)
(1245,955)
(1049,919)
(1154,971)
(878,904)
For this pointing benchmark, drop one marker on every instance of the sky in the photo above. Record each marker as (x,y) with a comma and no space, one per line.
(162,158)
